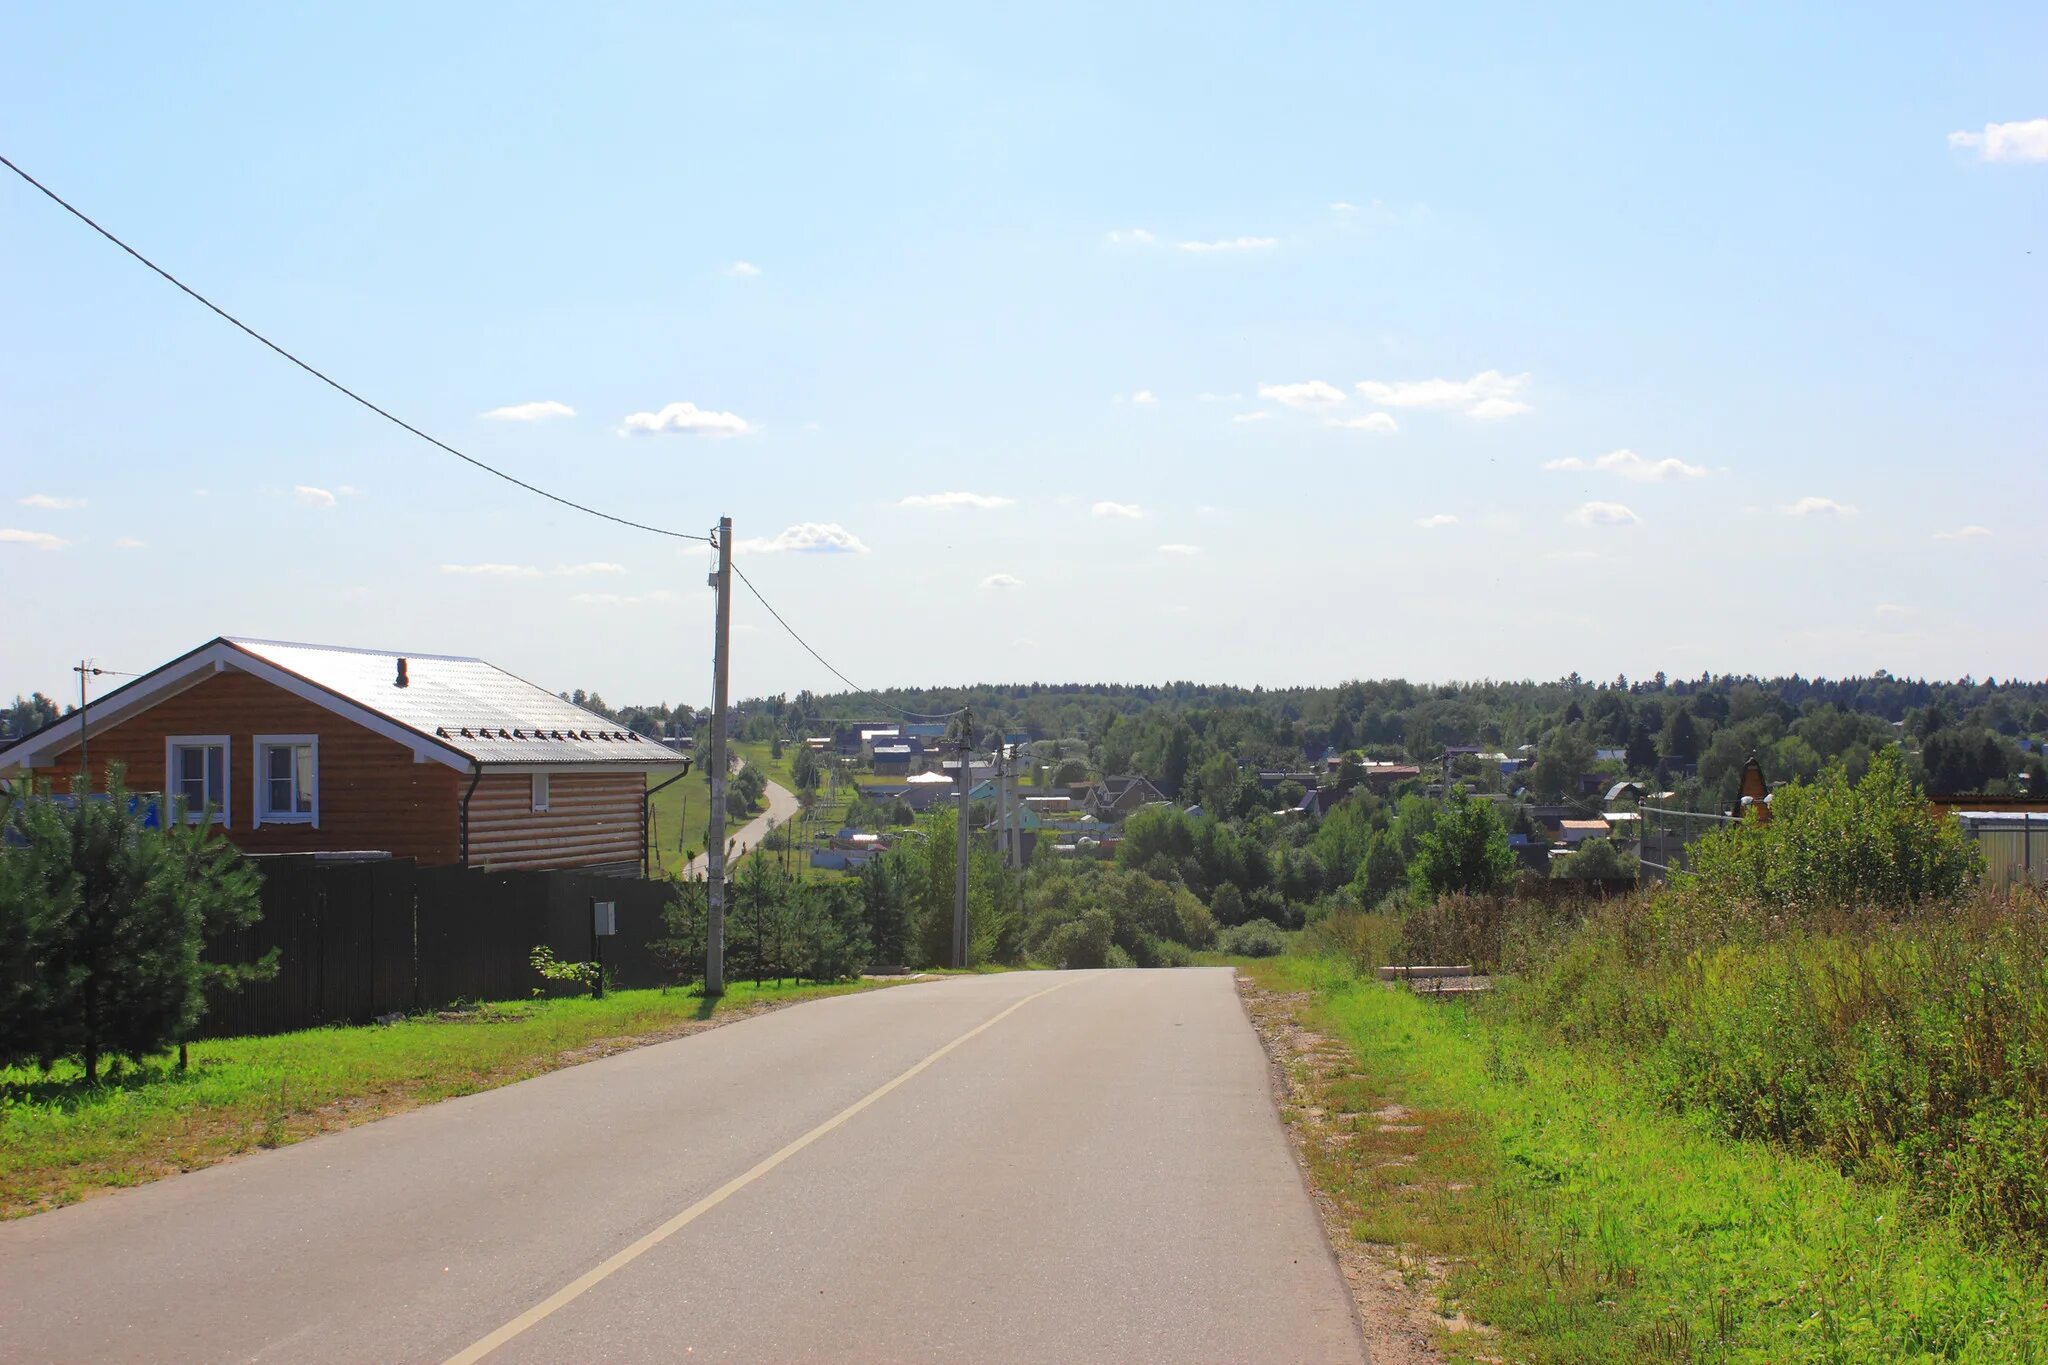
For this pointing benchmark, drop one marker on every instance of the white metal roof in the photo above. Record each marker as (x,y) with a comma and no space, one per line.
(453,710)
(471,706)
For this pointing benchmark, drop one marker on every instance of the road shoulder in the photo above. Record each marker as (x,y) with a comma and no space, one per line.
(1397,1310)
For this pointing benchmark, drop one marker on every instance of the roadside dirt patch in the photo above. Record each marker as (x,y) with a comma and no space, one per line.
(1315,1083)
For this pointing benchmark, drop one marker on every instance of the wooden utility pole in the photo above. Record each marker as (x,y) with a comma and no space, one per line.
(83,670)
(960,878)
(714,842)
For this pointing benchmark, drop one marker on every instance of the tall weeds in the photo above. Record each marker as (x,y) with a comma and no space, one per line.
(1911,1048)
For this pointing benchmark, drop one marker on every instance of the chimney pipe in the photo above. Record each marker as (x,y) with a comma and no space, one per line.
(401,680)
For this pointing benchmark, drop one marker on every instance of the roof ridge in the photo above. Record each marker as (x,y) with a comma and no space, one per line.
(360,649)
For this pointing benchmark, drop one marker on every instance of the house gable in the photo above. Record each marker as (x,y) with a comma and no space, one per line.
(374,792)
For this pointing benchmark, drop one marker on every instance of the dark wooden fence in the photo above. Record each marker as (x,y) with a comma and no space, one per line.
(358,940)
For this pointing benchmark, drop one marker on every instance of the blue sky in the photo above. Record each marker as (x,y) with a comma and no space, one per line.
(1275,346)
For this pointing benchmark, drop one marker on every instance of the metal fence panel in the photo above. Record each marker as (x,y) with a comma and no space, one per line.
(358,941)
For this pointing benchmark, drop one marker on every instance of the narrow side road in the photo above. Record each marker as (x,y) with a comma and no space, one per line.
(782,808)
(1032,1166)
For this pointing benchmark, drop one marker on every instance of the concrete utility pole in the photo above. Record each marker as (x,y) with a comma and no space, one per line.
(1002,807)
(714,842)
(960,879)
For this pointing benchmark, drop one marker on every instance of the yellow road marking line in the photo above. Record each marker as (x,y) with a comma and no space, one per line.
(604,1270)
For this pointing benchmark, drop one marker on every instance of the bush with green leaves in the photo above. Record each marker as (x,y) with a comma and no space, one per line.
(1874,847)
(581,976)
(1464,850)
(1253,938)
(104,924)
(1597,860)
(1083,941)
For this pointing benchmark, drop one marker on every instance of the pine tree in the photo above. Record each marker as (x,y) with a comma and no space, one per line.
(105,926)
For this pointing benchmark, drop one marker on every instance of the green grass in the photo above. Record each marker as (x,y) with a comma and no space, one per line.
(1585,1224)
(61,1140)
(678,813)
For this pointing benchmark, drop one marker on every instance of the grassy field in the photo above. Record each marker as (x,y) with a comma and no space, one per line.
(1548,1197)
(677,817)
(60,1141)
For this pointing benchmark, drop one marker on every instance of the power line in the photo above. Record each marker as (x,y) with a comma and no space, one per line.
(907,715)
(338,387)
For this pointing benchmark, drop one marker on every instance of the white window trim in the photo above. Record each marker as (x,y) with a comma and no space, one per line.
(225,744)
(258,818)
(541,792)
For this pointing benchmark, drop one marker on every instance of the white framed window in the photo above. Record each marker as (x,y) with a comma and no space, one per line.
(196,770)
(287,780)
(540,791)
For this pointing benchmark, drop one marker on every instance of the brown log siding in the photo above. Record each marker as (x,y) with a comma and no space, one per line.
(373,795)
(592,819)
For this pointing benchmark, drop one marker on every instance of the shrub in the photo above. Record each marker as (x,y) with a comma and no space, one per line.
(1197,927)
(1464,850)
(1598,860)
(1876,846)
(1226,903)
(582,976)
(1254,938)
(1081,942)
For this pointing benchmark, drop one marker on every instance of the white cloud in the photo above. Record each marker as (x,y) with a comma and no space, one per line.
(1131,237)
(743,270)
(1964,533)
(49,504)
(1430,523)
(585,570)
(1493,409)
(1818,507)
(1002,580)
(1381,422)
(529,412)
(613,599)
(2025,140)
(944,501)
(1488,395)
(1604,514)
(1127,511)
(808,538)
(1250,416)
(40,540)
(130,543)
(493,570)
(1184,551)
(1219,398)
(1230,244)
(686,419)
(1631,466)
(1145,398)
(1310,394)
(313,497)
(1341,207)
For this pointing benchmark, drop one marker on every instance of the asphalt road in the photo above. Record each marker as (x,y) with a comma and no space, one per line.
(781,808)
(1080,1166)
